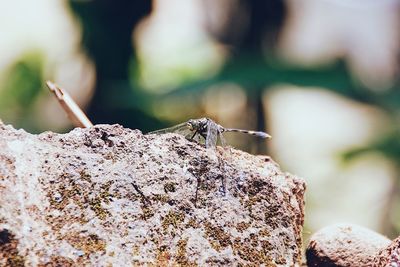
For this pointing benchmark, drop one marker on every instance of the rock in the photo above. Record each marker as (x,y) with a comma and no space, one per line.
(113,196)
(389,256)
(344,245)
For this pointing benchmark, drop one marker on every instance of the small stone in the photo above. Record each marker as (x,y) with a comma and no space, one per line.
(344,245)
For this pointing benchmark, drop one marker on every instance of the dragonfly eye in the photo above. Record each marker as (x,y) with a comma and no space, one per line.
(190,125)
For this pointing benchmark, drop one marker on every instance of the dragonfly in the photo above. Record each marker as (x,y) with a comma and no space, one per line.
(209,130)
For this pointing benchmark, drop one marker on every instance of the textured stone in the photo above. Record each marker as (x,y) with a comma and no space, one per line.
(113,196)
(344,245)
(389,256)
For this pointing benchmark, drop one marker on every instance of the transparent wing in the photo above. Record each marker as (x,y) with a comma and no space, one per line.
(221,139)
(212,134)
(179,129)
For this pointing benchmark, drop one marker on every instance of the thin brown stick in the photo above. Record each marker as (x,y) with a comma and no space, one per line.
(75,114)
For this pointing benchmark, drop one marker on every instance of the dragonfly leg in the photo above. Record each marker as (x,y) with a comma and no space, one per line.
(191,138)
(221,139)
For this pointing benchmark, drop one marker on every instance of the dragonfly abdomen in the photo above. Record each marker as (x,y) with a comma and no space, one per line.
(254,133)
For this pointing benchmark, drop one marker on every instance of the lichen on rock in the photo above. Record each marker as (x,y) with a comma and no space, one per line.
(108,195)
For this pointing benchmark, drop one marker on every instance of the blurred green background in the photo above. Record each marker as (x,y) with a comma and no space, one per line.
(321,76)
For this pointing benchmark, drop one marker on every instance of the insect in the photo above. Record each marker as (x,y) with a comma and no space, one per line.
(209,130)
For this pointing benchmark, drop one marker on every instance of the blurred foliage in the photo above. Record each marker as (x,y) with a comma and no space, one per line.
(22,85)
(388,145)
(107,37)
(107,33)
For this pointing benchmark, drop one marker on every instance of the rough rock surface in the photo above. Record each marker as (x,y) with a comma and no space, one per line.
(109,196)
(390,256)
(344,245)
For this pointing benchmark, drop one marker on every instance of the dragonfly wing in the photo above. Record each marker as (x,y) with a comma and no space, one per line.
(221,139)
(181,129)
(174,129)
(212,135)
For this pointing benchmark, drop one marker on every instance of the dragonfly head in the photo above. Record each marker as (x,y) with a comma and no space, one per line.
(194,124)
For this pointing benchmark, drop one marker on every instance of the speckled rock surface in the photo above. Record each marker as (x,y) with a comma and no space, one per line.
(389,256)
(109,196)
(344,245)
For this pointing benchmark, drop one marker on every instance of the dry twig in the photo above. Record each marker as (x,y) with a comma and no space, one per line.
(73,111)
